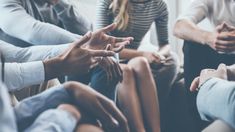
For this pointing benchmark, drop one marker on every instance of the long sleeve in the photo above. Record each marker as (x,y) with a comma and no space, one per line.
(28,28)
(7,118)
(103,14)
(161,23)
(33,53)
(72,20)
(216,100)
(20,75)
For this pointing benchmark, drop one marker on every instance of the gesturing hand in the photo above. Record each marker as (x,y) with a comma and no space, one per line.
(206,74)
(100,39)
(74,60)
(225,40)
(99,107)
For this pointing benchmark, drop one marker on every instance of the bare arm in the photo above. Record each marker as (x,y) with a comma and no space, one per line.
(188,30)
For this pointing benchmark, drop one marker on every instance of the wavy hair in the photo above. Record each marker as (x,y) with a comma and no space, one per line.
(121,8)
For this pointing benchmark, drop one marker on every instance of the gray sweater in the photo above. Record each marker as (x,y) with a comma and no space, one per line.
(34,22)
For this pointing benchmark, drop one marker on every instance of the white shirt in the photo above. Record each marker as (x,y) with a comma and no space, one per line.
(24,66)
(217,11)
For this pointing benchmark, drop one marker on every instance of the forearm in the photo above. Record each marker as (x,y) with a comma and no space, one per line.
(21,75)
(130,53)
(187,30)
(33,53)
(215,100)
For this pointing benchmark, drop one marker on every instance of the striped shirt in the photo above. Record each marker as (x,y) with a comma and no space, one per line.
(142,15)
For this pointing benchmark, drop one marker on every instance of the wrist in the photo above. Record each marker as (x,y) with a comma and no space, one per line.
(209,38)
(52,68)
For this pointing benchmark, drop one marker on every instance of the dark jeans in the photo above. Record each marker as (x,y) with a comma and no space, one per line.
(97,79)
(196,58)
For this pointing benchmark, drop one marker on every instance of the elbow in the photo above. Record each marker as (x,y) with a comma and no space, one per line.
(177,29)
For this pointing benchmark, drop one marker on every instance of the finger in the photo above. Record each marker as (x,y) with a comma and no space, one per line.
(220,28)
(101,53)
(117,114)
(94,63)
(224,48)
(104,116)
(195,84)
(108,47)
(84,39)
(124,43)
(109,28)
(157,58)
(223,69)
(121,39)
(226,36)
(229,27)
(118,49)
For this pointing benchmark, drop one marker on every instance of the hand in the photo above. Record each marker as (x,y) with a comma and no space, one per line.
(75,60)
(154,57)
(206,74)
(100,39)
(225,38)
(112,69)
(98,106)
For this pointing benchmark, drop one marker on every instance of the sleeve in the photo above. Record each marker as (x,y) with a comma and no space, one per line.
(29,29)
(33,53)
(30,108)
(20,75)
(54,120)
(161,23)
(196,12)
(72,20)
(7,120)
(216,100)
(103,17)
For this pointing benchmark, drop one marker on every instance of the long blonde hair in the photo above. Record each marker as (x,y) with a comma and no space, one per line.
(121,7)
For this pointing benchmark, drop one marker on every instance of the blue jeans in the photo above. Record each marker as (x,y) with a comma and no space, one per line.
(97,79)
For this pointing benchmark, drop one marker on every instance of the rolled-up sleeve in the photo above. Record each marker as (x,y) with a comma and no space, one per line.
(54,120)
(20,75)
(196,12)
(72,20)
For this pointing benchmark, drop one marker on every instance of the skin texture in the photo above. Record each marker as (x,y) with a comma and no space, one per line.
(221,40)
(220,72)
(137,96)
(84,54)
(97,107)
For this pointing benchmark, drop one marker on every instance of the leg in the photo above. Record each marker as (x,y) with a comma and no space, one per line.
(99,83)
(164,76)
(147,93)
(128,100)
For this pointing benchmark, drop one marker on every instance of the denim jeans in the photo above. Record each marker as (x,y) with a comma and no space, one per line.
(97,79)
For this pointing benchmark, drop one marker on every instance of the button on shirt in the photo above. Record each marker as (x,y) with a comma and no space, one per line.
(24,66)
(217,11)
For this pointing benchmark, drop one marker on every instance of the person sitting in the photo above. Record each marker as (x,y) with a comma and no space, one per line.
(202,48)
(59,109)
(216,92)
(134,18)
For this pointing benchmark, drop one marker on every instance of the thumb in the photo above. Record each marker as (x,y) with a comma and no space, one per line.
(228,27)
(109,28)
(83,40)
(195,84)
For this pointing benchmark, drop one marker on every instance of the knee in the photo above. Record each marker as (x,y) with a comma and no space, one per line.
(127,71)
(140,64)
